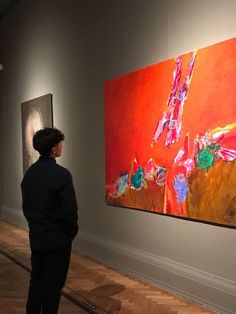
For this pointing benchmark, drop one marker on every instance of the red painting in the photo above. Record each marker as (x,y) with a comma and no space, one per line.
(170,136)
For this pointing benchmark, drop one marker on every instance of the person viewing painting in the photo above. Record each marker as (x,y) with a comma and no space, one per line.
(50,208)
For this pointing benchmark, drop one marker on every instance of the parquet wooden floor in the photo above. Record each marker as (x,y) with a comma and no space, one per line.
(92,285)
(14,288)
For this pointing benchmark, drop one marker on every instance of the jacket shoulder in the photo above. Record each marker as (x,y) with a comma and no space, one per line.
(62,170)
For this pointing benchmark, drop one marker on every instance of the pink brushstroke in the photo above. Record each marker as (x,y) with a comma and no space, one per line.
(227,154)
(172,119)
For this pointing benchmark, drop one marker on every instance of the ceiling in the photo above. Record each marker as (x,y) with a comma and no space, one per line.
(6,6)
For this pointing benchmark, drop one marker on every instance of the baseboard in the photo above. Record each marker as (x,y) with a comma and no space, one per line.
(14,216)
(199,286)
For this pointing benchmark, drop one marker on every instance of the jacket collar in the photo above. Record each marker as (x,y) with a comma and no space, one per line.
(49,158)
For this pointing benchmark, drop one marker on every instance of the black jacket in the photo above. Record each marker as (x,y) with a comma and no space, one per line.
(49,204)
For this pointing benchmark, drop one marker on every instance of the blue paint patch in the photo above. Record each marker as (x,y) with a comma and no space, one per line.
(181,187)
(137,178)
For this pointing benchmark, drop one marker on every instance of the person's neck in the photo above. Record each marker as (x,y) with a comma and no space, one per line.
(46,157)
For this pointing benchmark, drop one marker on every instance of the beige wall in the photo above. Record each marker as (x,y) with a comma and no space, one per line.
(68,48)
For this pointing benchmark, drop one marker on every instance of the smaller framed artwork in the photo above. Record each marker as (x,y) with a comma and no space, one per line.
(35,114)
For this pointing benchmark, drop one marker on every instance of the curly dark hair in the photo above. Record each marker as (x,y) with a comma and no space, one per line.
(45,139)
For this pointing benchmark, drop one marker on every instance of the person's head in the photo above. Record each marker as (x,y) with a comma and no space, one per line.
(48,142)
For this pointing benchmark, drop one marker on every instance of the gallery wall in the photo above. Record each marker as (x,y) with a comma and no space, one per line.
(69,49)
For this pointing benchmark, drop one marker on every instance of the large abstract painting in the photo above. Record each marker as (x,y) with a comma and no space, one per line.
(36,114)
(170,132)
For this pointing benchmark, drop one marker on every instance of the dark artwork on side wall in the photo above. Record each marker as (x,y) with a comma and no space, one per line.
(35,114)
(170,132)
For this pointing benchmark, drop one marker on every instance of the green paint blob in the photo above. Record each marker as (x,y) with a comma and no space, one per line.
(205,159)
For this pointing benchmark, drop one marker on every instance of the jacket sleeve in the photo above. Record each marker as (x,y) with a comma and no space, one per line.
(67,207)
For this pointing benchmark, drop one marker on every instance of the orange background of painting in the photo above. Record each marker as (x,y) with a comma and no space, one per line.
(135,102)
